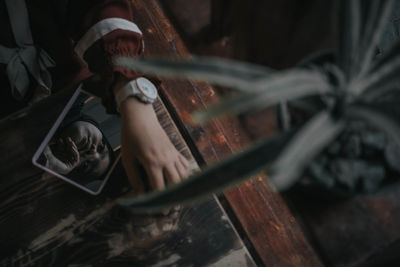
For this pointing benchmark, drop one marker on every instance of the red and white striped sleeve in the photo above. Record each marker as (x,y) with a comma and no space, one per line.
(101,30)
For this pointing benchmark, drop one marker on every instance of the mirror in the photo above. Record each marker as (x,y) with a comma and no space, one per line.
(82,146)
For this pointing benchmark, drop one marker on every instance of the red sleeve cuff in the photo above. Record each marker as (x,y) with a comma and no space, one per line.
(100,55)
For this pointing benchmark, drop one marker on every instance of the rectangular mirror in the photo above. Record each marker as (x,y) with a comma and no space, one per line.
(82,147)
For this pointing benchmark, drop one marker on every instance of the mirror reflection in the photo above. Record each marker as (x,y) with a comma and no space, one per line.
(82,147)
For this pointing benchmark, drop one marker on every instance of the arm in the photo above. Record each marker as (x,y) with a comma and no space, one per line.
(143,140)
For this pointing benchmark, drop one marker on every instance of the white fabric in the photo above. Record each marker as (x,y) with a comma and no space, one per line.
(20,62)
(101,29)
(26,57)
(19,20)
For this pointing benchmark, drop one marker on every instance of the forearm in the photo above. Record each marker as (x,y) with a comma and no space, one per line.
(102,30)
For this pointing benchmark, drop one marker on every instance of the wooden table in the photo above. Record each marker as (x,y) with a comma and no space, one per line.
(258,212)
(44,221)
(47,222)
(354,231)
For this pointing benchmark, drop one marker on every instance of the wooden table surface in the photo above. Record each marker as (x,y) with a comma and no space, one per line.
(354,231)
(47,222)
(257,210)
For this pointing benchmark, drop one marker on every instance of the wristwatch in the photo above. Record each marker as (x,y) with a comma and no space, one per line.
(141,88)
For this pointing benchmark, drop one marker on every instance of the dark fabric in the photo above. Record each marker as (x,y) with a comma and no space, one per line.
(56,26)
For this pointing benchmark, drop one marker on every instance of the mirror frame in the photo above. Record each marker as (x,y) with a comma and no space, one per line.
(51,133)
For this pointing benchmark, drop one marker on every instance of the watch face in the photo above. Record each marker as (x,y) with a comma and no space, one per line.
(147,88)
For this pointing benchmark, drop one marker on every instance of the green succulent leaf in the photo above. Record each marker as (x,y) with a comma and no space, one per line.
(213,179)
(303,147)
(283,86)
(230,73)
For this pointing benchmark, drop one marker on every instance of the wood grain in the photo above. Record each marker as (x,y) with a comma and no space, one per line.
(47,222)
(354,231)
(359,231)
(261,211)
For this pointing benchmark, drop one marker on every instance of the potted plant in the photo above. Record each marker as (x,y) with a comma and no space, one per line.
(348,137)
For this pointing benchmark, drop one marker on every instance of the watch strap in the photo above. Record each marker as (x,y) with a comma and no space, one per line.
(131,89)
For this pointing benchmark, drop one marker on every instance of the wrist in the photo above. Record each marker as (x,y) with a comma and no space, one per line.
(133,110)
(120,82)
(139,88)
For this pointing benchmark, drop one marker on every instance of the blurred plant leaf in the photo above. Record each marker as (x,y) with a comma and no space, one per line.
(214,179)
(374,94)
(280,87)
(390,55)
(377,117)
(349,38)
(375,18)
(384,74)
(303,147)
(362,25)
(230,73)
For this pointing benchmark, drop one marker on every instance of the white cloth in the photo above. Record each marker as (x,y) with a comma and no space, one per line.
(26,57)
(101,29)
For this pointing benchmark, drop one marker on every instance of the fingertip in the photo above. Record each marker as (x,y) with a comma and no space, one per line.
(184,161)
(172,174)
(182,170)
(156,179)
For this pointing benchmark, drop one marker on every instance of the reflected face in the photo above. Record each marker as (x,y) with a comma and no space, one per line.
(94,157)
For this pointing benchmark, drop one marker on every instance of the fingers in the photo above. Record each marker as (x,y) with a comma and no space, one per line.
(171,174)
(183,161)
(132,171)
(156,177)
(74,151)
(174,174)
(68,153)
(182,170)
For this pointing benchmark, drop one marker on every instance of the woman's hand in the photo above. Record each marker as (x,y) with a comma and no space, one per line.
(66,158)
(143,141)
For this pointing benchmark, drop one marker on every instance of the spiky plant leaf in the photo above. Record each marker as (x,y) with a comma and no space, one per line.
(377,117)
(362,25)
(303,147)
(285,115)
(349,39)
(384,74)
(375,19)
(279,87)
(213,179)
(225,72)
(374,94)
(392,53)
